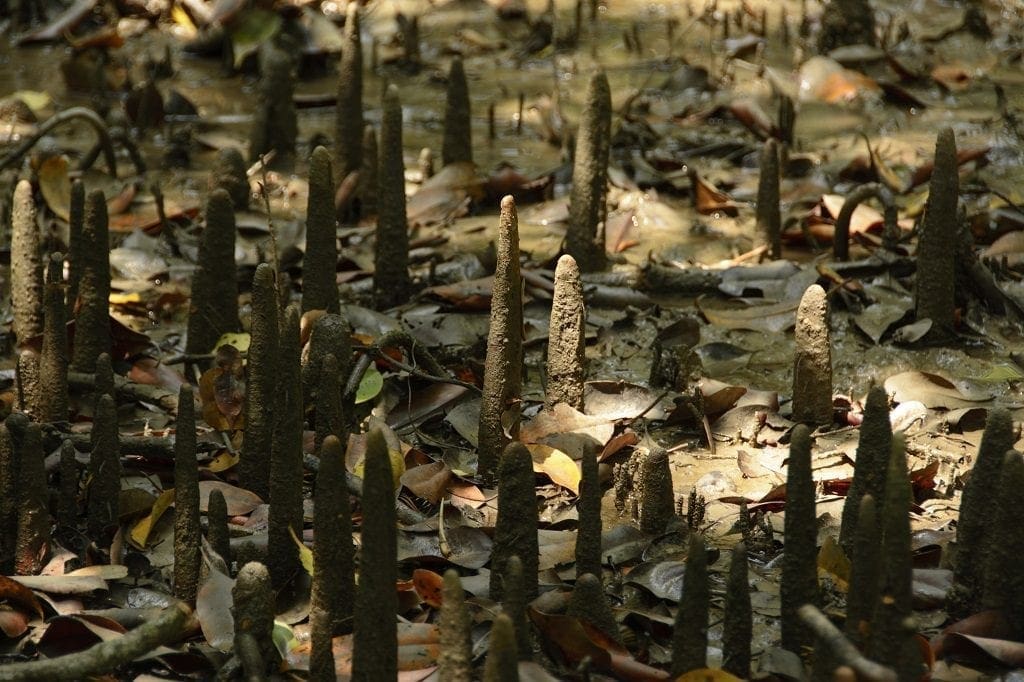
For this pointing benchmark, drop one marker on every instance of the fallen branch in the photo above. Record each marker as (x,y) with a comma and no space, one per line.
(157,395)
(842,650)
(106,656)
(87,115)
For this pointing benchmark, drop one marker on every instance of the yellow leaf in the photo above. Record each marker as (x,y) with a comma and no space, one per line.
(239,340)
(118,298)
(305,553)
(182,19)
(557,465)
(140,533)
(832,561)
(222,462)
(397,467)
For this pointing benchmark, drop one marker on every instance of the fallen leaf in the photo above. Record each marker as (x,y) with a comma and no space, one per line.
(934,390)
(428,481)
(140,532)
(239,501)
(428,585)
(213,610)
(556,465)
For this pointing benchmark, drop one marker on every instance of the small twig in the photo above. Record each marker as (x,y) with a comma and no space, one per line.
(406,514)
(398,364)
(87,115)
(108,655)
(166,399)
(842,650)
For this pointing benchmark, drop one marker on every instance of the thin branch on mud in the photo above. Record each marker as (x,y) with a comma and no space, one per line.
(167,400)
(841,649)
(87,115)
(106,656)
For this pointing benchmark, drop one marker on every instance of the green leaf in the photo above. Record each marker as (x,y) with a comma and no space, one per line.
(253,28)
(370,386)
(284,638)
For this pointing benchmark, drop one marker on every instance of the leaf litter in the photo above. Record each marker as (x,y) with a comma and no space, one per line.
(686,201)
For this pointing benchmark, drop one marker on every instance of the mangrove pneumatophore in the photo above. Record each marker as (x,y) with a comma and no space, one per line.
(457,146)
(214,308)
(375,644)
(585,234)
(566,338)
(812,366)
(935,287)
(92,322)
(799,583)
(515,531)
(320,262)
(187,532)
(976,525)
(503,363)
(26,265)
(261,384)
(391,283)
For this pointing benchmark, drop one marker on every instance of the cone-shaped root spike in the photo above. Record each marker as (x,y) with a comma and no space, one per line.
(936,259)
(275,124)
(333,553)
(514,603)
(891,639)
(1004,586)
(214,309)
(217,525)
(76,224)
(33,539)
(589,603)
(738,629)
(458,140)
(348,121)
(286,456)
(53,360)
(812,367)
(864,571)
(104,468)
(503,365)
(261,387)
(769,216)
(585,238)
(67,506)
(976,526)
(187,532)
(455,660)
(92,324)
(501,664)
(657,506)
(588,537)
(391,254)
(320,264)
(253,612)
(26,265)
(800,561)
(229,174)
(690,632)
(515,532)
(566,338)
(375,646)
(872,463)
